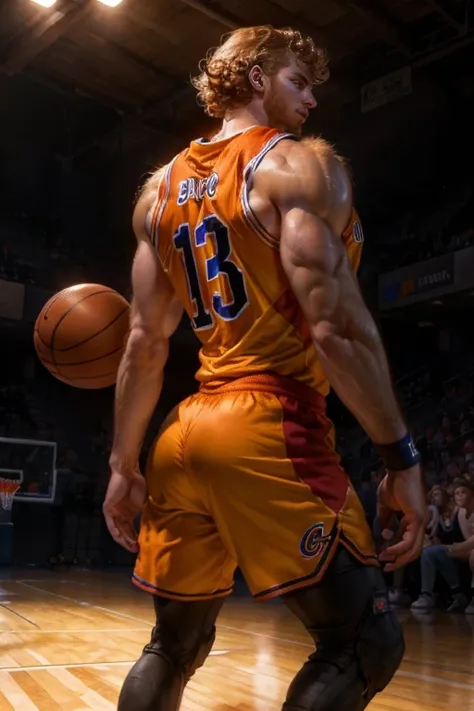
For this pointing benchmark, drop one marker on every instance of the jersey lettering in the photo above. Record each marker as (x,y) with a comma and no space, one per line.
(194,189)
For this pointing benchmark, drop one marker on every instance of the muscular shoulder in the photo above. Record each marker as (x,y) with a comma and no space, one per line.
(146,200)
(308,174)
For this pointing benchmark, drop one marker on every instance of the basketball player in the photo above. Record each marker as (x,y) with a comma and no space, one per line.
(254,234)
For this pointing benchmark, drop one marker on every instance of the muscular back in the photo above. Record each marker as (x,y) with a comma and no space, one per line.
(215,225)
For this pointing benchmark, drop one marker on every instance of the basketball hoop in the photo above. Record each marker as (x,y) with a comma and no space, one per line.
(8,489)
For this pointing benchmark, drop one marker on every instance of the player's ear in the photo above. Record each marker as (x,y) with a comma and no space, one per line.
(257,78)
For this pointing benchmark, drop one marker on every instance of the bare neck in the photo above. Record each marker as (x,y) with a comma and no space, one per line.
(240,119)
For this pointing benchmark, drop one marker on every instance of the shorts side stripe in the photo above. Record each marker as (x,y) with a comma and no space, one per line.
(314,461)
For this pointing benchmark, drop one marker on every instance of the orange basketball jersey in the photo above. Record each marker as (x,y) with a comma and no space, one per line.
(225,267)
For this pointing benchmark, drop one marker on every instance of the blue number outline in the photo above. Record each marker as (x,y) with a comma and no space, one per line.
(219,263)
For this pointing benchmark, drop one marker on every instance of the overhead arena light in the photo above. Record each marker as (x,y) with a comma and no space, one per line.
(111,3)
(45,3)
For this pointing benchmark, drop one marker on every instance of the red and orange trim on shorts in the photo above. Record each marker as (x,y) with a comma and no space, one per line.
(195,597)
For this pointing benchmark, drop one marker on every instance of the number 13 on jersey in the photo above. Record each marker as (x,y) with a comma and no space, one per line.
(217,265)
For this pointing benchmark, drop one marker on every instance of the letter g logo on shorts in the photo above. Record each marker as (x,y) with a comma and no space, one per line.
(314,541)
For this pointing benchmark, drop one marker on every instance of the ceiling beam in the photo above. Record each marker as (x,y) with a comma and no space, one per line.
(42,33)
(75,89)
(122,52)
(444,51)
(448,18)
(387,28)
(279,16)
(222,16)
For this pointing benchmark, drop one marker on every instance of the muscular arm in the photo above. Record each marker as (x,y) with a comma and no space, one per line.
(155,315)
(313,198)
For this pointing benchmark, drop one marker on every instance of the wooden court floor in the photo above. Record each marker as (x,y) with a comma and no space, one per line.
(67,641)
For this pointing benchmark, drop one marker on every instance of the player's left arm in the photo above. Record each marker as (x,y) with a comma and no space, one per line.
(155,315)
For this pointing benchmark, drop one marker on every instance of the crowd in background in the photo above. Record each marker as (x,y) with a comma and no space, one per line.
(445,438)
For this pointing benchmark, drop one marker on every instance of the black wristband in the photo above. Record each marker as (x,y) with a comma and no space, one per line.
(399,455)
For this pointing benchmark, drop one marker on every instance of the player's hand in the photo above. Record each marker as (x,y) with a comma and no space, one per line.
(403,492)
(123,502)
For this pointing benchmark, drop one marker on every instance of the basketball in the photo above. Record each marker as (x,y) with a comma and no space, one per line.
(80,334)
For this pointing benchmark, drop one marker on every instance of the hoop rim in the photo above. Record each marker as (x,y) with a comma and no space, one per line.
(8,489)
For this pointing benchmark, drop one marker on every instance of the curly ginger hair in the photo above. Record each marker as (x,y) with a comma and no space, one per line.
(224,84)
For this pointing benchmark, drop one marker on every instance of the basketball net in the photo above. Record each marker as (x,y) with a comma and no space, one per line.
(8,489)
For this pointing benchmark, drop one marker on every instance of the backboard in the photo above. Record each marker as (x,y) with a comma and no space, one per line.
(33,462)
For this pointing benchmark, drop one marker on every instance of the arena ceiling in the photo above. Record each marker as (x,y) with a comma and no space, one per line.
(133,61)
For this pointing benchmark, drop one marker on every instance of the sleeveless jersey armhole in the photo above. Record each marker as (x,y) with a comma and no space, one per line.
(156,211)
(247,182)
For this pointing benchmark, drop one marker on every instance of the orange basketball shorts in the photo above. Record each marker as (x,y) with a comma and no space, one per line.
(246,475)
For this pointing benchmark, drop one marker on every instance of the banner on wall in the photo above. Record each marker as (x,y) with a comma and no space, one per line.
(447,274)
(385,89)
(12,296)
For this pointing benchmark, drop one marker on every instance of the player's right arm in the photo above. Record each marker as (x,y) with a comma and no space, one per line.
(314,200)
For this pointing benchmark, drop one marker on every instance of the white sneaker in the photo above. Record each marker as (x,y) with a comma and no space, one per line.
(424,602)
(470,608)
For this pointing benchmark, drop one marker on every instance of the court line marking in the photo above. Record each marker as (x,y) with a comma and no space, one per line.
(74,665)
(73,632)
(436,666)
(52,579)
(435,680)
(5,606)
(136,619)
(88,665)
(84,604)
(214,653)
(410,675)
(267,636)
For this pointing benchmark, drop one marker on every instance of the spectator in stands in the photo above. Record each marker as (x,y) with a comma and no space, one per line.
(445,530)
(464,498)
(440,526)
(442,516)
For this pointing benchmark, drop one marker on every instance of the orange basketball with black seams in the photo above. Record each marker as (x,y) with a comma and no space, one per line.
(80,335)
